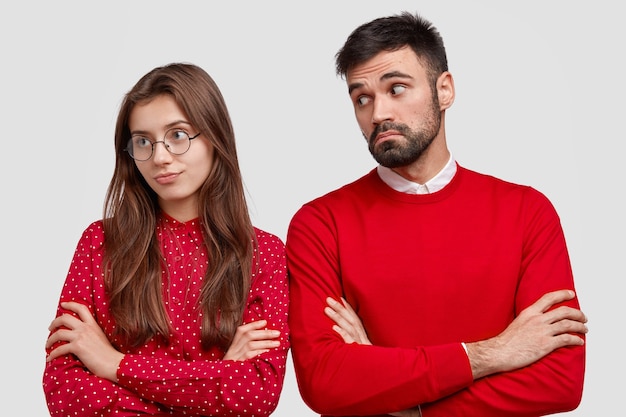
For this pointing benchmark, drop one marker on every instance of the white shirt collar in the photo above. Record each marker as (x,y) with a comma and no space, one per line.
(401,184)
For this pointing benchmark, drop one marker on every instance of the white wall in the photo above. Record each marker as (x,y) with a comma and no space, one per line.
(540,92)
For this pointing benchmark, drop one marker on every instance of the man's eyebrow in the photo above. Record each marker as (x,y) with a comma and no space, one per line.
(353,87)
(384,77)
(395,74)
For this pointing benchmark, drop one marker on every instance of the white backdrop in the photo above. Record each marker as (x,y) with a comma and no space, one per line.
(540,87)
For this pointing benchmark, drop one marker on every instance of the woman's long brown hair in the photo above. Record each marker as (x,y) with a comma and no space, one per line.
(132,254)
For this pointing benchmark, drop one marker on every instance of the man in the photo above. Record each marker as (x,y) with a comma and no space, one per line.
(457,295)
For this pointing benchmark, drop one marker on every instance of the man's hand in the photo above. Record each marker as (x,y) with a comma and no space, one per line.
(350,328)
(411,412)
(536,332)
(347,323)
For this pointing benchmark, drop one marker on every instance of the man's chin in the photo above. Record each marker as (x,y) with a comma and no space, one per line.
(390,162)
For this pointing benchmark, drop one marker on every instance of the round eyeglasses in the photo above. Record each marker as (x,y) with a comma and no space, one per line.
(176,141)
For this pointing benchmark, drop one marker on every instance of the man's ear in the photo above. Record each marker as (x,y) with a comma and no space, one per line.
(445,90)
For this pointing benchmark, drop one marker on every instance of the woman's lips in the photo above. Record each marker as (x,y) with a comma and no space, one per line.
(166,178)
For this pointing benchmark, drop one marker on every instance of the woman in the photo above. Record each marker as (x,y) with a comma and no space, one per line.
(174,303)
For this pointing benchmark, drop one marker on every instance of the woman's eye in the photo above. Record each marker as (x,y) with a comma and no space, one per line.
(141,142)
(177,135)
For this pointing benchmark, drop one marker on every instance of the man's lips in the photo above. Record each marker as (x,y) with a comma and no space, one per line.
(166,178)
(383,136)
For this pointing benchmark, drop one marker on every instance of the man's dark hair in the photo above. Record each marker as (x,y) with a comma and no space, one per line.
(390,34)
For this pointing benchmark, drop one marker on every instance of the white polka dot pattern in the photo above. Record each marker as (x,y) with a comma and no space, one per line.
(179,377)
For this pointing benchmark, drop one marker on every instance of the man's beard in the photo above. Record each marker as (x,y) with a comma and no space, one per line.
(392,153)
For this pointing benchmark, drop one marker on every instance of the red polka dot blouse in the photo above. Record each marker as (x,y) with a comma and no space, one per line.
(179,377)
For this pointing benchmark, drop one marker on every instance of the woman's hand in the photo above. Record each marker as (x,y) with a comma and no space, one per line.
(252,340)
(347,323)
(84,338)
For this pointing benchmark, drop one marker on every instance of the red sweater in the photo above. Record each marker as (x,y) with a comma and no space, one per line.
(425,273)
(178,377)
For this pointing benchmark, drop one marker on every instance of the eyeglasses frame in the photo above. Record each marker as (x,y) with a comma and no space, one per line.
(129,144)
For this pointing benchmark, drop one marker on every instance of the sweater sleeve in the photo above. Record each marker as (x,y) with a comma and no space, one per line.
(553,384)
(349,379)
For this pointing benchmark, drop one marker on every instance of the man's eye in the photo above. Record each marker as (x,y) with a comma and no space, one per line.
(362,100)
(397,89)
